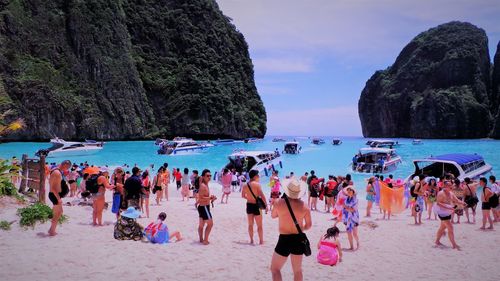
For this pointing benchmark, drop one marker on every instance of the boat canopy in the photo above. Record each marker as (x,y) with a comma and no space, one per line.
(460,159)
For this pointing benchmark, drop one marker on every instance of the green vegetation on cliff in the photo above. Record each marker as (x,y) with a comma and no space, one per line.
(438,87)
(126,69)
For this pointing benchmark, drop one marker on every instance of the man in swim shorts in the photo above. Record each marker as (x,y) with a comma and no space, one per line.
(446,201)
(253,211)
(203,202)
(58,189)
(290,242)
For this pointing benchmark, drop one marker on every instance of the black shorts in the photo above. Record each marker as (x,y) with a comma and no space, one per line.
(234,183)
(53,198)
(314,194)
(485,206)
(289,244)
(446,218)
(253,209)
(204,212)
(178,184)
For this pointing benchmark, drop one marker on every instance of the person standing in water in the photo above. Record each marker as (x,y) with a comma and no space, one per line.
(58,189)
(251,192)
(204,201)
(290,241)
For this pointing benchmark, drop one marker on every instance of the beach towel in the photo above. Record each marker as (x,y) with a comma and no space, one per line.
(339,205)
(391,199)
(327,254)
(376,186)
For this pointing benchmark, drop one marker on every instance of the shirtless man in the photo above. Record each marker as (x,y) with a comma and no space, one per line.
(253,211)
(470,190)
(204,201)
(446,200)
(289,240)
(485,204)
(99,200)
(58,189)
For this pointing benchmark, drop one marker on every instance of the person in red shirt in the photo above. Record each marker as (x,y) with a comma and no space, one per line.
(331,184)
(178,178)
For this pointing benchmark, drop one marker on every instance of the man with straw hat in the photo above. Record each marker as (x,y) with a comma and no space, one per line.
(290,240)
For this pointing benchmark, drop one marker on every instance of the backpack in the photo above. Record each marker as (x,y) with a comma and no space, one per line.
(197,183)
(91,184)
(493,201)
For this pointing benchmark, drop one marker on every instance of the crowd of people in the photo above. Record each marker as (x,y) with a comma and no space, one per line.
(446,198)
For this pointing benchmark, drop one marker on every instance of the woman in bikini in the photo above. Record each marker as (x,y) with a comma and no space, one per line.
(146,188)
(158,183)
(98,205)
(370,195)
(459,193)
(431,191)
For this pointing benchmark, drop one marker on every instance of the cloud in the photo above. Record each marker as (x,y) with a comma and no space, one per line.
(315,121)
(283,65)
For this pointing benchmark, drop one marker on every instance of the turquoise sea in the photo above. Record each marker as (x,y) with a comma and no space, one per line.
(325,159)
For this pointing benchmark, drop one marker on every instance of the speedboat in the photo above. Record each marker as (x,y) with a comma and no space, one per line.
(417,142)
(250,140)
(318,141)
(279,140)
(291,147)
(461,166)
(262,161)
(382,143)
(336,142)
(61,147)
(226,142)
(159,141)
(375,160)
(180,146)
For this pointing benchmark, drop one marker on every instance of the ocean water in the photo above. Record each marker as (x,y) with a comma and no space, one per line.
(325,159)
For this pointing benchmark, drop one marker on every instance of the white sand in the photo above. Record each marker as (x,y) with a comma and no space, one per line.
(395,250)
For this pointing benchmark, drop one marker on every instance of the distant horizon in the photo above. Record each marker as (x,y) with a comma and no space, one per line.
(312,59)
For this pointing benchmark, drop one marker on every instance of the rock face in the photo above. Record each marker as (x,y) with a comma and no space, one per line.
(438,87)
(495,90)
(126,69)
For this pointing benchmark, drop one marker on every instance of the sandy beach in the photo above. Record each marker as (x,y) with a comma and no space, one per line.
(393,250)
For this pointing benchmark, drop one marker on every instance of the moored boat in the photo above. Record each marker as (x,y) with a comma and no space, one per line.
(336,141)
(318,141)
(181,145)
(460,165)
(292,147)
(262,161)
(375,160)
(61,147)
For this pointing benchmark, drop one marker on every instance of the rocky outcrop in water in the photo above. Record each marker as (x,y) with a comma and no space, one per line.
(438,87)
(126,69)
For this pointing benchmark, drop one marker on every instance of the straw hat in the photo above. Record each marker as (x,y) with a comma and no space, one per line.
(351,188)
(294,188)
(131,213)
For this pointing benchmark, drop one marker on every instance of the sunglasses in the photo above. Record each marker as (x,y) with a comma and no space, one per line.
(208,176)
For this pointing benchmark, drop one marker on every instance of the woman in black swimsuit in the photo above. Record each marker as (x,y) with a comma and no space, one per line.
(58,189)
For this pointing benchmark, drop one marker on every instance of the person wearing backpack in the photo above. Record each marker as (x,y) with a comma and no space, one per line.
(487,200)
(329,248)
(496,189)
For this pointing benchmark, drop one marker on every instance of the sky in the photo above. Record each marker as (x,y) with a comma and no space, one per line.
(312,58)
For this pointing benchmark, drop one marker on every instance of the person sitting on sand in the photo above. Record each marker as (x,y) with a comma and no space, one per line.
(127,228)
(157,232)
(290,241)
(204,201)
(445,203)
(251,192)
(329,248)
(58,189)
(350,216)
